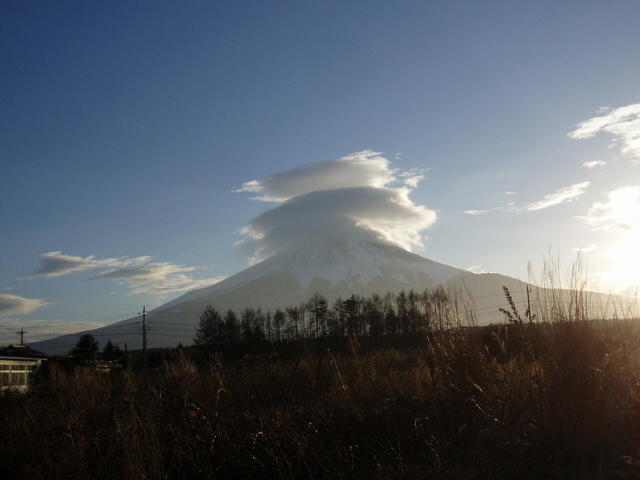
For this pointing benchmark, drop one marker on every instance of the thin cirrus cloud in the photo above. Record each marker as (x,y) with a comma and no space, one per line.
(623,123)
(57,264)
(16,305)
(157,278)
(560,196)
(350,198)
(483,212)
(594,164)
(563,195)
(139,274)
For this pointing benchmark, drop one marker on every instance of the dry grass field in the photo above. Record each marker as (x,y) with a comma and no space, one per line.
(537,399)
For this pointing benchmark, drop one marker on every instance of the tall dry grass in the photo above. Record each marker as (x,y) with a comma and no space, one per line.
(557,397)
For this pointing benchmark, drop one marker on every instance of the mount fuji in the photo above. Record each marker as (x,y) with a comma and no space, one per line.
(331,266)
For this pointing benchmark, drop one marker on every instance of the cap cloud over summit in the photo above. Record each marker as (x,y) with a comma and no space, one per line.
(352,198)
(360,169)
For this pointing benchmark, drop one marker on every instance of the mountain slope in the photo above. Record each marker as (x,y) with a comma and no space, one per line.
(331,267)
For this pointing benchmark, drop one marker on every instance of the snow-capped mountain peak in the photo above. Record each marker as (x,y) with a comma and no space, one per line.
(330,266)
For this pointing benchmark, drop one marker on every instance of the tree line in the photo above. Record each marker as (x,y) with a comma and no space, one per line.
(375,315)
(402,313)
(87,349)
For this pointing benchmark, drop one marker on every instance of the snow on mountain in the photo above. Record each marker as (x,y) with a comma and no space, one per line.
(336,263)
(330,266)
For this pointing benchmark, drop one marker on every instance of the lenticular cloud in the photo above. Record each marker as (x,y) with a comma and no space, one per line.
(353,198)
(360,169)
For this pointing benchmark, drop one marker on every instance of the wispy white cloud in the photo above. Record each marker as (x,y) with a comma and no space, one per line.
(351,197)
(563,195)
(412,178)
(560,196)
(622,123)
(140,274)
(594,164)
(15,305)
(478,212)
(158,278)
(57,264)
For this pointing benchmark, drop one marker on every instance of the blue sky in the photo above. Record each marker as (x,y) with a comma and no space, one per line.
(126,126)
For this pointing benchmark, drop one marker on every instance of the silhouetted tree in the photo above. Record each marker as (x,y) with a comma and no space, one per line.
(319,311)
(441,305)
(402,312)
(413,312)
(86,348)
(374,315)
(278,325)
(251,324)
(427,310)
(293,315)
(209,331)
(266,322)
(390,318)
(231,329)
(337,318)
(111,352)
(352,314)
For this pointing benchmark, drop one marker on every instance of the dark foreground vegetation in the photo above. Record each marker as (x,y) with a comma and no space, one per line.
(532,399)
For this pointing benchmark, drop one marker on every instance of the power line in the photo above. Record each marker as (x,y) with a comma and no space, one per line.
(108,334)
(171,335)
(146,328)
(10,330)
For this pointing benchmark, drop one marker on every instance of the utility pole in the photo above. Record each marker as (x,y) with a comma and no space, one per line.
(21,332)
(144,330)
